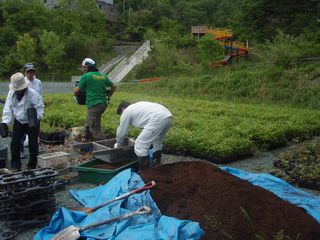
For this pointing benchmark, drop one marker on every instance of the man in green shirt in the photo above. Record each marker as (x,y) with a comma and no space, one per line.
(96,86)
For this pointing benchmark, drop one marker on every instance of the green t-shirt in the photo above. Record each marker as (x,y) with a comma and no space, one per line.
(95,85)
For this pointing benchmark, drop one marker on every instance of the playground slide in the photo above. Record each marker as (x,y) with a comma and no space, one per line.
(226,59)
(225,39)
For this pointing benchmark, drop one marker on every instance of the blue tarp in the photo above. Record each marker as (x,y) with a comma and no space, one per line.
(142,227)
(285,191)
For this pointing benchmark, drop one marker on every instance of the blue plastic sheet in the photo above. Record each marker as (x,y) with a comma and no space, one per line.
(285,191)
(142,227)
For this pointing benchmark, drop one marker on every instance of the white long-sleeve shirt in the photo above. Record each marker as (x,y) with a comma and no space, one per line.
(140,115)
(18,110)
(35,84)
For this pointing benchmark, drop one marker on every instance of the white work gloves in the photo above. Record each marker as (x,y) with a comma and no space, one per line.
(115,145)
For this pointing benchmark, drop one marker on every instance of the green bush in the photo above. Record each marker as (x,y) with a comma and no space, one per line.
(285,50)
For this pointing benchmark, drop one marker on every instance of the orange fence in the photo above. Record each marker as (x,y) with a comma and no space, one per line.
(145,80)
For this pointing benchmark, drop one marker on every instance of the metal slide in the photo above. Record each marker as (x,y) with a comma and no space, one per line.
(127,64)
(118,67)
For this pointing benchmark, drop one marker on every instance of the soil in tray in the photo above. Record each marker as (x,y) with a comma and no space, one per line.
(225,206)
(109,166)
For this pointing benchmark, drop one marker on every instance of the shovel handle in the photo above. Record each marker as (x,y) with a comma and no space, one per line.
(139,211)
(138,190)
(134,191)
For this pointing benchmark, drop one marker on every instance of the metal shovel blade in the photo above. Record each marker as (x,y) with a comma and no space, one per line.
(70,233)
(73,233)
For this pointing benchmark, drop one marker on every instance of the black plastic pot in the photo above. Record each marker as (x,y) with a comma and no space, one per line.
(3,155)
(81,97)
(52,138)
(2,162)
(4,131)
(32,117)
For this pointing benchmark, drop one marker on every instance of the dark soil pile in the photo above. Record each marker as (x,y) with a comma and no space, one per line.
(105,165)
(225,206)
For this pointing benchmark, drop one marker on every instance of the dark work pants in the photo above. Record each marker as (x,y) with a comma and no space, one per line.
(19,130)
(92,128)
(24,139)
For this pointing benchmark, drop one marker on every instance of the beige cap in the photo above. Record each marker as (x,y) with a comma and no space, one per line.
(18,82)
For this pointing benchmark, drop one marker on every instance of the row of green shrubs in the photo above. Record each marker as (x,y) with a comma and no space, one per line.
(216,130)
(244,82)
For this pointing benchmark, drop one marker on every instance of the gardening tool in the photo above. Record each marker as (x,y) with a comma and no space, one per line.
(137,190)
(73,232)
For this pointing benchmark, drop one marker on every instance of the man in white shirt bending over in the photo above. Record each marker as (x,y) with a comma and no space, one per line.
(20,100)
(154,119)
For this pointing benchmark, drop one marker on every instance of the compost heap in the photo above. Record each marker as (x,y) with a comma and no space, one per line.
(225,206)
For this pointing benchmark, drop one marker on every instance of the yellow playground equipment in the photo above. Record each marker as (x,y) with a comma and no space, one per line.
(224,36)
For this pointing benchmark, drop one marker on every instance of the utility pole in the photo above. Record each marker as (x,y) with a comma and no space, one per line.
(129,15)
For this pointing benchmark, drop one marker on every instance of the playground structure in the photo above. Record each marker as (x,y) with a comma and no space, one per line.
(233,49)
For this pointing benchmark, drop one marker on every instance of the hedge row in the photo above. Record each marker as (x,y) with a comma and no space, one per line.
(218,131)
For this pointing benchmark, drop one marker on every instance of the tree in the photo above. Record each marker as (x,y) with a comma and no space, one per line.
(26,49)
(53,50)
(261,19)
(24,16)
(8,38)
(286,50)
(209,50)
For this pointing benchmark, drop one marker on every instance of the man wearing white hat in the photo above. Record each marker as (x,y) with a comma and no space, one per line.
(20,100)
(96,86)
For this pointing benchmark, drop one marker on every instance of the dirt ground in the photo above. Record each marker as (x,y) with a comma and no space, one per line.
(225,206)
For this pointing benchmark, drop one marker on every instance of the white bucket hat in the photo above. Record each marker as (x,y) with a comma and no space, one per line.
(18,82)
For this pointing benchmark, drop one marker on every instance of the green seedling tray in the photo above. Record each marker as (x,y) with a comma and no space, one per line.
(89,174)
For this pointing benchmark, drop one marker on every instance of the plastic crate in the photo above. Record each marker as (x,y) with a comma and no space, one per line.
(55,159)
(89,174)
(105,151)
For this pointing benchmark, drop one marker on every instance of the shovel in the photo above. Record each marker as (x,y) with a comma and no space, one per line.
(137,190)
(73,232)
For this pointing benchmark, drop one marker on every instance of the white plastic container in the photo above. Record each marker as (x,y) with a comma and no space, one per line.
(57,160)
(75,131)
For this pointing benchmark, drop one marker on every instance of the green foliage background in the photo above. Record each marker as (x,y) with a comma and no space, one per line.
(84,30)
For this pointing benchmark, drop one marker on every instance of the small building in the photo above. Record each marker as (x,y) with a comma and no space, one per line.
(51,3)
(105,6)
(108,8)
